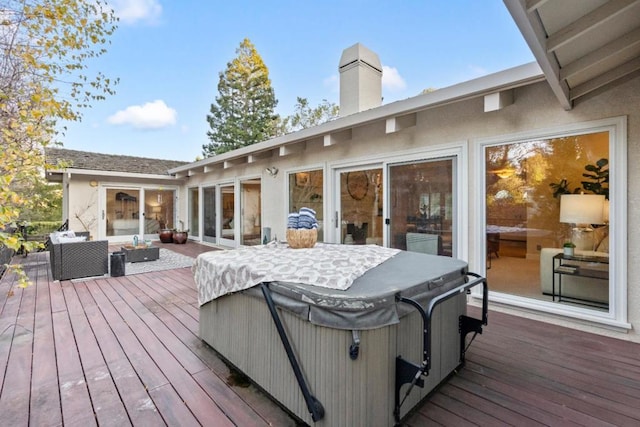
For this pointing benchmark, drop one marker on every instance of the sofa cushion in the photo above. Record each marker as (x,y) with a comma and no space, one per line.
(56,235)
(64,239)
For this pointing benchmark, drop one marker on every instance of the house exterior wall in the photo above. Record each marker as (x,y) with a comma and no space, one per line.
(83,206)
(461,124)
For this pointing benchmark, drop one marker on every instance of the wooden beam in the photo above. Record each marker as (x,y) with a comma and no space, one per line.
(588,22)
(532,5)
(336,138)
(395,124)
(498,100)
(252,158)
(287,150)
(534,33)
(629,41)
(606,78)
(234,162)
(213,167)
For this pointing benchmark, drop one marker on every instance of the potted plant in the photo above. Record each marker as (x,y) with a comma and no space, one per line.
(569,248)
(166,235)
(180,235)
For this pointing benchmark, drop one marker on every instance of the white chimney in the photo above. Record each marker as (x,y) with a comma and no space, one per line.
(360,80)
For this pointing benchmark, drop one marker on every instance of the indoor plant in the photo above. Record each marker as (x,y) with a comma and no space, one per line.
(569,248)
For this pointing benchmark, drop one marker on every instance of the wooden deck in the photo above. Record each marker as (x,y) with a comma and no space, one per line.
(125,351)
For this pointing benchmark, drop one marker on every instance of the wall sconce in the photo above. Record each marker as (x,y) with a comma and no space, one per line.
(273,171)
(93,183)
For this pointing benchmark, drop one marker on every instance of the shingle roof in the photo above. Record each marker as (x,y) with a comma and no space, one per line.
(109,162)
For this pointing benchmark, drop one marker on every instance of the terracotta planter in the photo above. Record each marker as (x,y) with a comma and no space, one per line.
(166,235)
(180,237)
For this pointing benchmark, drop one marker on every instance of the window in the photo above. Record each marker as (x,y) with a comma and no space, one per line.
(524,181)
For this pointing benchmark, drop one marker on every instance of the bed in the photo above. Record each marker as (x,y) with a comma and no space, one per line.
(360,356)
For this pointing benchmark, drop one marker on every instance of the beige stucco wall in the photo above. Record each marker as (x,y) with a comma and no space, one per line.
(83,206)
(535,107)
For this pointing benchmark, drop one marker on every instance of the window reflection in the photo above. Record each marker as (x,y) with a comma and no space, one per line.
(306,189)
(524,182)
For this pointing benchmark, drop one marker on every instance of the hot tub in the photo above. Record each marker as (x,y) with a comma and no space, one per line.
(362,356)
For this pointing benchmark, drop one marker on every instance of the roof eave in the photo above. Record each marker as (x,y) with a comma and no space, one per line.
(534,34)
(507,79)
(111,174)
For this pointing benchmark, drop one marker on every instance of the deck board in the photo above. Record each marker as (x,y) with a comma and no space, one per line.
(125,351)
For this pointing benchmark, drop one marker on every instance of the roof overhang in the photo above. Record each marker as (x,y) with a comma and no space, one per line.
(396,116)
(56,175)
(582,46)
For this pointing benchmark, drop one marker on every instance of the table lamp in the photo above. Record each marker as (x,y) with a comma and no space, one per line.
(582,210)
(156,210)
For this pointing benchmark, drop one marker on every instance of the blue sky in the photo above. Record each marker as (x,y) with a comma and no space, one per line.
(168,55)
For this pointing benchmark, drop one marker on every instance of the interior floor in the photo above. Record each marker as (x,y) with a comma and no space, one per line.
(515,275)
(519,276)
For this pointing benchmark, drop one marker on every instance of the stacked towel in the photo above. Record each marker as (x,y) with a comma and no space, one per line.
(293,220)
(305,219)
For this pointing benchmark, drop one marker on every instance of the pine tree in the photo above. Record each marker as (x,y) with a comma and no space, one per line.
(243,112)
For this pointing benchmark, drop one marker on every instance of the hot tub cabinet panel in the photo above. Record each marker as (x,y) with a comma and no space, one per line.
(353,393)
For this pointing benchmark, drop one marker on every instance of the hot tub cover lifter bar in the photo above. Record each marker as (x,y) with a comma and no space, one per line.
(313,405)
(411,373)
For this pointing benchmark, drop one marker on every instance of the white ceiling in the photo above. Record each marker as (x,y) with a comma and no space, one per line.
(582,46)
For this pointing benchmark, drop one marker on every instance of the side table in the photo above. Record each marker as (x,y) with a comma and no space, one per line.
(140,254)
(574,265)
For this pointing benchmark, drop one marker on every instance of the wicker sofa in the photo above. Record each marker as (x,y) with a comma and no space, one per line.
(79,259)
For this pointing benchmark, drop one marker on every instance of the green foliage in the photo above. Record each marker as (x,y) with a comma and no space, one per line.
(243,112)
(599,178)
(598,183)
(305,116)
(46,45)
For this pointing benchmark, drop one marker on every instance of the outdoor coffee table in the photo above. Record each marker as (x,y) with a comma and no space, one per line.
(140,253)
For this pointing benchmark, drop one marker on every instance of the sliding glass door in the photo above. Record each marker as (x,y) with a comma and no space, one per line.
(359,206)
(421,206)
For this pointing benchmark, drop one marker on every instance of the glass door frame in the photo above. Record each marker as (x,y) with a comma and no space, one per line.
(141,188)
(455,195)
(220,217)
(335,235)
(456,150)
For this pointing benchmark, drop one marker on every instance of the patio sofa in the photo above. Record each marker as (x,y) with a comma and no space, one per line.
(72,260)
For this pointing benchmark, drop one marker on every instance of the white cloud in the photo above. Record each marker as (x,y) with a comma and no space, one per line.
(152,115)
(391,79)
(133,11)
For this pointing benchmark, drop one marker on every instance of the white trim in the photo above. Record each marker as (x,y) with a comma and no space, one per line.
(617,315)
(122,175)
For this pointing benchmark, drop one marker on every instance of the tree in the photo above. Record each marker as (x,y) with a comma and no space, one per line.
(305,116)
(46,45)
(243,112)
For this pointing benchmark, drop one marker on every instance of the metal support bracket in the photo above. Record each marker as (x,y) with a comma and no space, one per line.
(407,372)
(354,348)
(313,405)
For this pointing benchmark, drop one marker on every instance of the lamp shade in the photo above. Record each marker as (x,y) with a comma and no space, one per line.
(156,209)
(582,208)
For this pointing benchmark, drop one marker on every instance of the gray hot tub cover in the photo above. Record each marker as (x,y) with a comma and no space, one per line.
(370,303)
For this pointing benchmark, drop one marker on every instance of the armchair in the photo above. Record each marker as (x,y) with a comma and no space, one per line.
(79,259)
